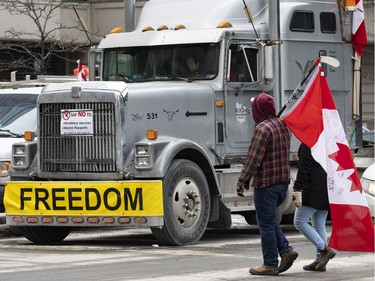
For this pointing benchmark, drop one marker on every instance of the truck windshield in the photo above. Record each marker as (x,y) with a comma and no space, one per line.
(173,62)
(17,114)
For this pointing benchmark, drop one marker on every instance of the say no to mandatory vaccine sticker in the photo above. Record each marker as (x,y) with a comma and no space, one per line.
(76,122)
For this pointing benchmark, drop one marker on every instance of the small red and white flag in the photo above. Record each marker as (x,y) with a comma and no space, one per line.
(81,76)
(315,121)
(359,37)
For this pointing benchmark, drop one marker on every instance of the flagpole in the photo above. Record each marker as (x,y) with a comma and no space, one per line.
(296,90)
(323,59)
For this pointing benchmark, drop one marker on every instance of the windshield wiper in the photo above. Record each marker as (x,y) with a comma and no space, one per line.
(125,78)
(10,133)
(176,77)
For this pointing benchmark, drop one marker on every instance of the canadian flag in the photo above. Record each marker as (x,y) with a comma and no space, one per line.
(315,121)
(359,37)
(81,76)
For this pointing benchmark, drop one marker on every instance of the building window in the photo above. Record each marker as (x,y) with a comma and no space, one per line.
(302,21)
(328,22)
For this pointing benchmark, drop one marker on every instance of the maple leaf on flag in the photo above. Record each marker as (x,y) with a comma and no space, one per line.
(343,158)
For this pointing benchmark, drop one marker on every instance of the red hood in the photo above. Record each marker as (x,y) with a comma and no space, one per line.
(263,106)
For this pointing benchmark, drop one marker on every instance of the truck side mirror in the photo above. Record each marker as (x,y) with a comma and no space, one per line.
(95,64)
(229,63)
(268,63)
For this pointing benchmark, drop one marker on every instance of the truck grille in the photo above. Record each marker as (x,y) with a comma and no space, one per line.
(76,153)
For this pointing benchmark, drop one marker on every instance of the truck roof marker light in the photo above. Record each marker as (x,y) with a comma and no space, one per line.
(117,30)
(350,5)
(163,27)
(224,24)
(152,134)
(29,136)
(147,28)
(220,104)
(179,26)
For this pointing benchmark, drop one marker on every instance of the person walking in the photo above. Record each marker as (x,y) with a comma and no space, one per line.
(312,182)
(267,163)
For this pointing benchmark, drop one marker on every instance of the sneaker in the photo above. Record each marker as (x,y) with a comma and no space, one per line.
(264,270)
(312,267)
(287,260)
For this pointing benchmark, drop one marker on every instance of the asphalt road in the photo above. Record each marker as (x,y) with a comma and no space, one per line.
(134,254)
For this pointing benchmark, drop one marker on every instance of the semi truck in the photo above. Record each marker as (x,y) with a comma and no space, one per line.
(160,139)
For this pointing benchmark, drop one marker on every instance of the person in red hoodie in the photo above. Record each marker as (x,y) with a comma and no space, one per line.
(267,163)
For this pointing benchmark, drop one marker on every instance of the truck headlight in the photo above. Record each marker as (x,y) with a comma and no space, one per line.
(144,156)
(143,162)
(142,150)
(20,157)
(19,150)
(368,186)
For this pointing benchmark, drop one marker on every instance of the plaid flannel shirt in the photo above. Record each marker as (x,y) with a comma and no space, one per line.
(267,160)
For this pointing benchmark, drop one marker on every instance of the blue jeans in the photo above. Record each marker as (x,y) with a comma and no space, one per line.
(273,240)
(316,232)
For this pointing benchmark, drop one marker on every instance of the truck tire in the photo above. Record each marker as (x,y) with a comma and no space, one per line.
(44,234)
(186,204)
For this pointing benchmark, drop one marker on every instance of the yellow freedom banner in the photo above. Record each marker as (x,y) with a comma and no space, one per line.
(73,198)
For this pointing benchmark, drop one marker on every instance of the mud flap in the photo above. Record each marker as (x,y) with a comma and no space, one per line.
(224,220)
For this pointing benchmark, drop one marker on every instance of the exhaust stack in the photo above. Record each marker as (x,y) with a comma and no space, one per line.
(129,6)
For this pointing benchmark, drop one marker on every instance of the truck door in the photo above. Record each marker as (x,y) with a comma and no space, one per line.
(241,85)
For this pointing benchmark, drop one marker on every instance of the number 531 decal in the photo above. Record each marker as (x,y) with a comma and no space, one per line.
(152,115)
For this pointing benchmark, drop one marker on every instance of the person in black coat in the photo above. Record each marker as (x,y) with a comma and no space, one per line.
(312,182)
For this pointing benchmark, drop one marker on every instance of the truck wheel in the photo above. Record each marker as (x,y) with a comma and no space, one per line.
(186,204)
(44,234)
